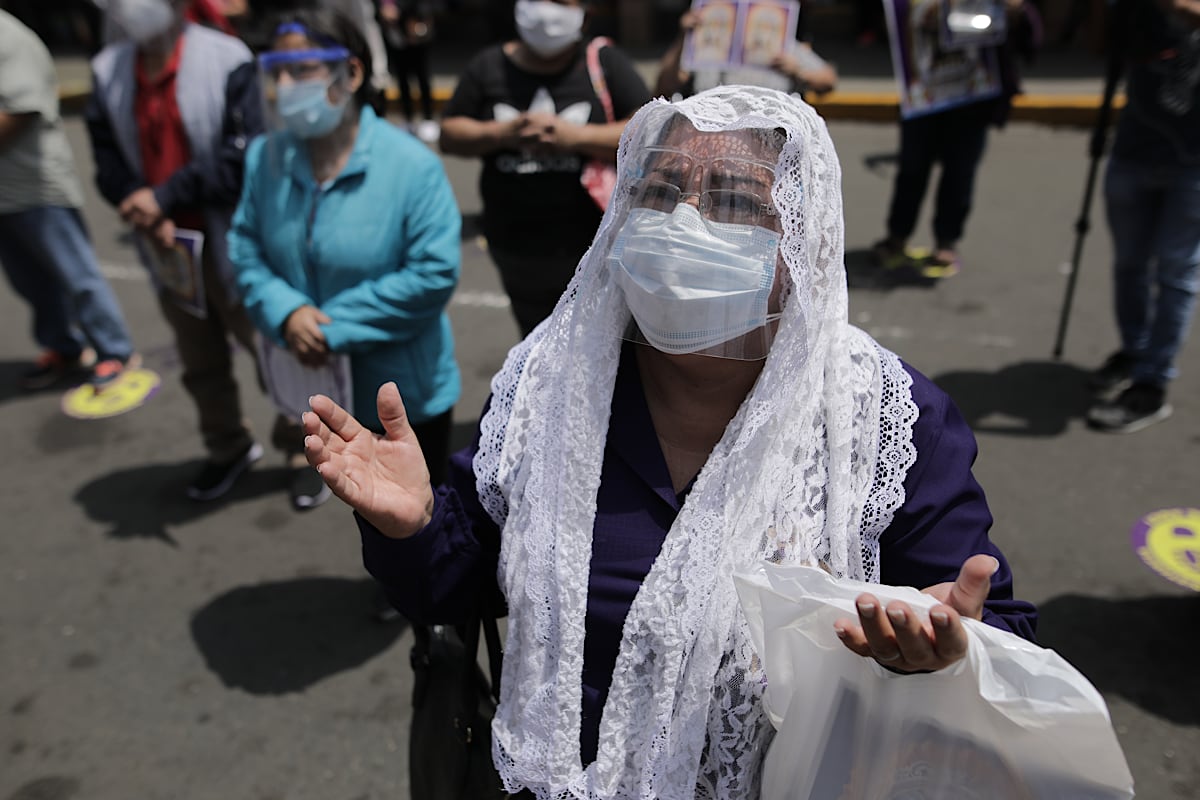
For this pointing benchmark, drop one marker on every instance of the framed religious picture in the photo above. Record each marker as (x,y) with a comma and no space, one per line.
(767,30)
(710,45)
(731,34)
(929,77)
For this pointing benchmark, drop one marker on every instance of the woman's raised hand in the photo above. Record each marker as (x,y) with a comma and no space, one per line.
(383,478)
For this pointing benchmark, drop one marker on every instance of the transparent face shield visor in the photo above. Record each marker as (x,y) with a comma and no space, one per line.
(696,250)
(306,92)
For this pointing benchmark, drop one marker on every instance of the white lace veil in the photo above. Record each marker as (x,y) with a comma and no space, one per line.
(811,469)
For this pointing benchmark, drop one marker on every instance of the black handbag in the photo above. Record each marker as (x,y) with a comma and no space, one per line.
(450,743)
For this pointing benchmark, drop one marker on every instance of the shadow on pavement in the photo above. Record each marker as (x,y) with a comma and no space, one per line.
(882,164)
(53,787)
(145,501)
(1032,398)
(863,272)
(160,358)
(276,638)
(1143,649)
(11,373)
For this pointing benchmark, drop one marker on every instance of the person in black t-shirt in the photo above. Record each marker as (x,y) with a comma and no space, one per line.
(529,109)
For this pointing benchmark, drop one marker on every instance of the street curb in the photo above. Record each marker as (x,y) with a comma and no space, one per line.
(1048,109)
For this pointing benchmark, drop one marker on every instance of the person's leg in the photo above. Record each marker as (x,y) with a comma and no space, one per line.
(962,144)
(403,72)
(306,488)
(1132,207)
(427,129)
(434,437)
(420,68)
(1177,254)
(19,246)
(533,284)
(917,153)
(67,250)
(1136,207)
(203,348)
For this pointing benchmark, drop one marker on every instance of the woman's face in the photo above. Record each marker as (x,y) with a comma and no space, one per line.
(727,177)
(740,160)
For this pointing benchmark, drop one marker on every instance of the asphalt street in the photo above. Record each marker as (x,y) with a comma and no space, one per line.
(155,648)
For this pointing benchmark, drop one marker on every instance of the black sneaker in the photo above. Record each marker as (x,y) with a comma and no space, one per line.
(1115,374)
(50,367)
(1139,406)
(215,479)
(308,489)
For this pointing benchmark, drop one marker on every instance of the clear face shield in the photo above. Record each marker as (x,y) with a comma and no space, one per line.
(306,90)
(696,250)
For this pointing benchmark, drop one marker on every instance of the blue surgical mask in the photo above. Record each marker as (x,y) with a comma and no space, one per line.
(305,108)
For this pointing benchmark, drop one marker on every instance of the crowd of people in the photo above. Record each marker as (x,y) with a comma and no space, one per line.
(719,410)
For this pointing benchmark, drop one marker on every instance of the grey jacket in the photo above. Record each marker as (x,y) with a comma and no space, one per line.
(208,59)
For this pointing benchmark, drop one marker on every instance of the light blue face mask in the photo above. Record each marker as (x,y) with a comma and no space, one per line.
(305,108)
(692,284)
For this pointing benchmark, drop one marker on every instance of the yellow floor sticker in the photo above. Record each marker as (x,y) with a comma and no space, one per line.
(1169,542)
(130,390)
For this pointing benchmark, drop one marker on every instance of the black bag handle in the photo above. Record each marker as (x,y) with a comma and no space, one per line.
(471,685)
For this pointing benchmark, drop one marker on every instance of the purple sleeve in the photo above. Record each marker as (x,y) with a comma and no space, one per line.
(945,519)
(444,573)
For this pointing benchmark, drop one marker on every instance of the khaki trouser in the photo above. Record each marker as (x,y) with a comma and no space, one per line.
(207,358)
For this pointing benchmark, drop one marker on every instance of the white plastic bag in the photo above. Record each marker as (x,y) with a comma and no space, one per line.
(1011,721)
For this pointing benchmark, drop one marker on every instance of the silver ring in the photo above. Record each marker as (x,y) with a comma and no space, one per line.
(893,657)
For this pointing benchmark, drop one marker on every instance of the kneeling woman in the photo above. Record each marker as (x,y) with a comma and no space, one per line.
(700,403)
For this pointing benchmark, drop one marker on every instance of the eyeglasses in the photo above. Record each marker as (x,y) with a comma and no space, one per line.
(732,189)
(717,205)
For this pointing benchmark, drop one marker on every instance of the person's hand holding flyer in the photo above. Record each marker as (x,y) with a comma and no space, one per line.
(178,269)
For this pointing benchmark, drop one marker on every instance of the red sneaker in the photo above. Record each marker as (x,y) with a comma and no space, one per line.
(108,370)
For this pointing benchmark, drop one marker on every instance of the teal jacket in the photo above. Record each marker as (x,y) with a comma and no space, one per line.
(377,249)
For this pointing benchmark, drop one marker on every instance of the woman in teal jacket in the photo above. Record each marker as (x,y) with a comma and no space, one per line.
(346,238)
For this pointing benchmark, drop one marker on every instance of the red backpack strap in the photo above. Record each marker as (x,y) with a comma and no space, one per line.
(596,72)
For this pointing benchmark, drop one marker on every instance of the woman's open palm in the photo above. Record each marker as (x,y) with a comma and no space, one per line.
(382,477)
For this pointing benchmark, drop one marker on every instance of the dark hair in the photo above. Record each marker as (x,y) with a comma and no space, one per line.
(330,28)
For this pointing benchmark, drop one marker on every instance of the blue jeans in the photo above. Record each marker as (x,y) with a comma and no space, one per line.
(1154,217)
(49,261)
